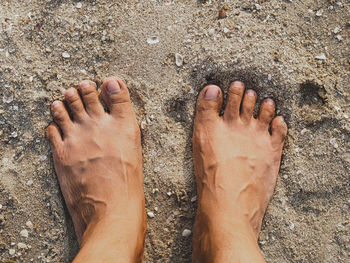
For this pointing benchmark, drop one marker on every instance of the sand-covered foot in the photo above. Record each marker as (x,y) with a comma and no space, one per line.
(98,161)
(236,163)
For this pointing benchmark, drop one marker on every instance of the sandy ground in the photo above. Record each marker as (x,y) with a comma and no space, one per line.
(297,52)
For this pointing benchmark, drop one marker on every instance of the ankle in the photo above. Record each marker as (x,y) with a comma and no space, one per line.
(122,237)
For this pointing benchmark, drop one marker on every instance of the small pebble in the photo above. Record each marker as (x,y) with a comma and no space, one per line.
(346,116)
(211,32)
(186,233)
(153,40)
(12,251)
(291,226)
(65,55)
(29,182)
(21,245)
(319,13)
(222,14)
(194,199)
(179,59)
(303,131)
(24,233)
(168,193)
(150,214)
(156,209)
(336,30)
(79,5)
(321,57)
(29,224)
(9,99)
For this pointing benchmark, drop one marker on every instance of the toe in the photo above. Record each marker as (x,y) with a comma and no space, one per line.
(234,101)
(248,105)
(267,111)
(89,94)
(209,102)
(60,116)
(279,131)
(116,96)
(54,135)
(75,104)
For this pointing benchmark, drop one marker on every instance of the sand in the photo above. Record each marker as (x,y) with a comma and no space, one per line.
(296,52)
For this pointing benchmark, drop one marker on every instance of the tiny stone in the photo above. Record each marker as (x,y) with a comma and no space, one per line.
(321,57)
(303,131)
(12,251)
(194,199)
(291,226)
(9,99)
(24,233)
(319,13)
(269,77)
(346,116)
(339,37)
(150,214)
(13,134)
(179,60)
(43,157)
(153,40)
(29,224)
(79,5)
(21,245)
(0,206)
(211,31)
(336,30)
(156,209)
(29,182)
(65,55)
(168,193)
(186,233)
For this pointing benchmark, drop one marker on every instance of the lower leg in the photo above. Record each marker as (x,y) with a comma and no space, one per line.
(236,163)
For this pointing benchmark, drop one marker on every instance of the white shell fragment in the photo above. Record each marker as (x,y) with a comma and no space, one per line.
(321,57)
(153,40)
(179,60)
(65,55)
(186,233)
(24,233)
(150,214)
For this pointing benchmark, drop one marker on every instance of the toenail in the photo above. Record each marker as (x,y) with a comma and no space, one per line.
(212,93)
(55,104)
(84,84)
(270,102)
(112,86)
(69,93)
(251,93)
(238,84)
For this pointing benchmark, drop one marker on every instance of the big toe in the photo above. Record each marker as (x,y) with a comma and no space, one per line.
(279,131)
(209,102)
(116,96)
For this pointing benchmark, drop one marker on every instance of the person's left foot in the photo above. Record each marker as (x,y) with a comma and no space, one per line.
(98,161)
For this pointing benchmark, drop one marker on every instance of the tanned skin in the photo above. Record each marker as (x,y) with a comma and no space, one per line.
(236,163)
(98,161)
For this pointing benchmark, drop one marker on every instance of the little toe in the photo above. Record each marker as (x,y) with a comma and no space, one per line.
(267,112)
(234,100)
(60,116)
(116,96)
(75,104)
(90,98)
(209,102)
(54,135)
(248,105)
(279,131)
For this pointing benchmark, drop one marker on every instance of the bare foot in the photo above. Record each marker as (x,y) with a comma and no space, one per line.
(236,163)
(98,161)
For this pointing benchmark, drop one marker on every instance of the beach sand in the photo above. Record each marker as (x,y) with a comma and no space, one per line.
(296,52)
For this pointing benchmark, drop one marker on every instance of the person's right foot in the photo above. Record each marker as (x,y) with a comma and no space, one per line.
(236,163)
(98,162)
